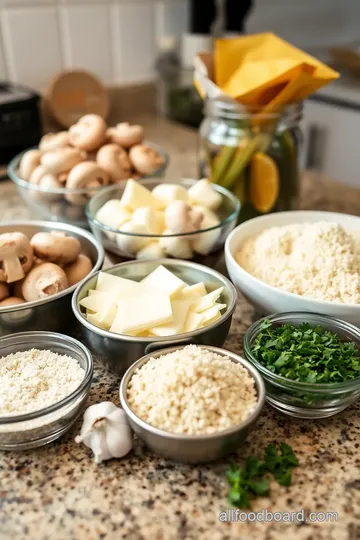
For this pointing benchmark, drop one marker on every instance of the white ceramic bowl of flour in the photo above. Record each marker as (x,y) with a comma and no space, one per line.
(268,299)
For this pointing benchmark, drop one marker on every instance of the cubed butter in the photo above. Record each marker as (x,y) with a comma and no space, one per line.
(163,280)
(176,246)
(205,242)
(134,240)
(137,196)
(168,193)
(142,312)
(203,192)
(113,214)
(148,219)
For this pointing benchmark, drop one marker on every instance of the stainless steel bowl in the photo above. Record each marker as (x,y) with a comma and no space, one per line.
(117,351)
(20,432)
(192,448)
(53,313)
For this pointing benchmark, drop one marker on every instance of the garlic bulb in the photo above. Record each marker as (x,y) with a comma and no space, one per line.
(106,431)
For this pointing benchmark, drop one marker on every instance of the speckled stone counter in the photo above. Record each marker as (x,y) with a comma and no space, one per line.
(58,493)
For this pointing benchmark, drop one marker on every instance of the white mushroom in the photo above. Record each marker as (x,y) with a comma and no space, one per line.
(145,159)
(176,246)
(29,162)
(87,176)
(182,218)
(78,270)
(152,251)
(12,301)
(4,291)
(61,160)
(52,141)
(55,248)
(16,256)
(126,135)
(203,192)
(44,280)
(130,245)
(114,160)
(37,174)
(89,133)
(170,192)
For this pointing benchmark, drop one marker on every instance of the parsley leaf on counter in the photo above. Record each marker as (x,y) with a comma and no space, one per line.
(250,481)
(306,354)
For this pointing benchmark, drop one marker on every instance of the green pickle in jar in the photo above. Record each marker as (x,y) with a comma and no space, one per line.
(255,156)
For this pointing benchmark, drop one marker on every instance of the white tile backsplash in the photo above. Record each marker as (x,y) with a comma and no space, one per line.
(134,41)
(32,44)
(86,43)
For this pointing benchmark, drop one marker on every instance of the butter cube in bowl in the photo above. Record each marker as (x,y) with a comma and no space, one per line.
(154,219)
(137,307)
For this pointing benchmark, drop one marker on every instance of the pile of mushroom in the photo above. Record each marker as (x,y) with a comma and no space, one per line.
(34,269)
(157,223)
(88,156)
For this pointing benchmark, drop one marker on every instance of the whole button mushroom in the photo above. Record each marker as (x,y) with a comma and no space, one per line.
(114,160)
(16,256)
(182,218)
(44,280)
(61,160)
(12,301)
(126,135)
(4,291)
(29,162)
(78,270)
(89,133)
(56,248)
(87,175)
(52,141)
(37,175)
(145,159)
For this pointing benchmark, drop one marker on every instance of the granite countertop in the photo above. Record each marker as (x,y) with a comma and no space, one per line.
(57,492)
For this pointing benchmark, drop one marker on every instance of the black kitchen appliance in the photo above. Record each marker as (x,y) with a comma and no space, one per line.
(20,120)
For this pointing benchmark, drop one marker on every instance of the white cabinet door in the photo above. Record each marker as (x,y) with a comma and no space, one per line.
(332,141)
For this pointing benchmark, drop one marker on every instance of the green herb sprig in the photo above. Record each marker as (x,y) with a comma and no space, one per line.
(306,354)
(251,481)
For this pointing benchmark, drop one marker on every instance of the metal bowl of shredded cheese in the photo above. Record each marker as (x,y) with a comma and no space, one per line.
(45,379)
(298,261)
(193,403)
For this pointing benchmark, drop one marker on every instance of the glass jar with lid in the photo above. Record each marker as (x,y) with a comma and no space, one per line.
(254,154)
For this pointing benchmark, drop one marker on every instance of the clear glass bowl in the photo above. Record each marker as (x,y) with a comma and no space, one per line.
(111,238)
(51,204)
(41,427)
(300,399)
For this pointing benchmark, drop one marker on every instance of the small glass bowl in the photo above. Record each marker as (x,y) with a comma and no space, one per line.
(301,399)
(110,238)
(51,204)
(30,430)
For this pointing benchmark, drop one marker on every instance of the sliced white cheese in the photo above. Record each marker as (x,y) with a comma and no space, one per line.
(141,312)
(96,302)
(94,319)
(136,196)
(180,309)
(203,192)
(113,214)
(211,313)
(211,321)
(92,291)
(168,193)
(207,302)
(194,291)
(193,322)
(152,251)
(115,284)
(108,313)
(164,280)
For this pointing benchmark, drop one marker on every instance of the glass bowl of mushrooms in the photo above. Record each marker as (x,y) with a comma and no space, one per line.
(190,219)
(57,179)
(41,264)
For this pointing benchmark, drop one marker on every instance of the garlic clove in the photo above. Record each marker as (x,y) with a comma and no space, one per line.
(105,431)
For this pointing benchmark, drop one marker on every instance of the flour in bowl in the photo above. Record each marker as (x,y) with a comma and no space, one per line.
(318,260)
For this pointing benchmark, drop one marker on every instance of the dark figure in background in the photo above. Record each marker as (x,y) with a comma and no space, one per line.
(203,15)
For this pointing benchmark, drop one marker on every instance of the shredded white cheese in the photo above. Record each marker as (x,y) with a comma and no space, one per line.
(318,260)
(192,391)
(34,379)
